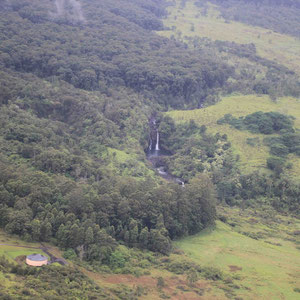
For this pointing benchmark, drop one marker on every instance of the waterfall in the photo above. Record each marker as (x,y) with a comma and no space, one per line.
(157,141)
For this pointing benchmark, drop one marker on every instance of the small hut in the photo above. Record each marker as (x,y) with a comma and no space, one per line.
(36,260)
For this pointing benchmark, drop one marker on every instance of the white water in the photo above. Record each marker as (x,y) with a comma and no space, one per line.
(157,141)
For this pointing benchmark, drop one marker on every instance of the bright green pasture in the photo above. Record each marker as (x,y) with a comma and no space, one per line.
(251,158)
(12,252)
(271,45)
(262,270)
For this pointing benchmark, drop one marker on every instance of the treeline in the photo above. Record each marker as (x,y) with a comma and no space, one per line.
(108,51)
(282,192)
(92,217)
(286,142)
(260,122)
(278,15)
(253,74)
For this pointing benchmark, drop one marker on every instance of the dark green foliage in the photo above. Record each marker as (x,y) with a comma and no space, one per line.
(278,190)
(252,73)
(259,122)
(110,49)
(287,142)
(77,92)
(90,218)
(160,283)
(284,144)
(276,164)
(193,150)
(278,15)
(70,254)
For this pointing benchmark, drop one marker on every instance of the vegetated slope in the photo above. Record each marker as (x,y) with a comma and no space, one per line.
(105,51)
(279,15)
(79,84)
(187,19)
(251,157)
(261,253)
(131,274)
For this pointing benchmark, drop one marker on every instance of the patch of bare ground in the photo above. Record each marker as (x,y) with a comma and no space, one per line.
(175,287)
(235,268)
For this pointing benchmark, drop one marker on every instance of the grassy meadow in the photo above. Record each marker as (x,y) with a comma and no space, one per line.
(261,256)
(190,21)
(251,157)
(9,247)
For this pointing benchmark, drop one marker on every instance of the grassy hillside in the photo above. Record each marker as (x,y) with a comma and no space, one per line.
(262,255)
(138,279)
(251,157)
(191,21)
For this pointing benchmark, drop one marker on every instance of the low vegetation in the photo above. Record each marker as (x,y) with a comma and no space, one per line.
(257,247)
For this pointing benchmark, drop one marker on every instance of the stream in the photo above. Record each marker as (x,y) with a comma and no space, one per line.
(155,154)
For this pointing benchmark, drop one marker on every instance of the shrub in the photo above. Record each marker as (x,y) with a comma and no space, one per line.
(69,254)
(279,150)
(160,282)
(117,260)
(212,273)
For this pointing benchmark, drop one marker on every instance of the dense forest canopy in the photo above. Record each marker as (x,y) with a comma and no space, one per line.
(278,15)
(79,82)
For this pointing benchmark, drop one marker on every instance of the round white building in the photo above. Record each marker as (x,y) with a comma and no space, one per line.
(36,260)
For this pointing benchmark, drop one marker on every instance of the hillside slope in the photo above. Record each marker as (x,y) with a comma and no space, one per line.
(253,157)
(203,19)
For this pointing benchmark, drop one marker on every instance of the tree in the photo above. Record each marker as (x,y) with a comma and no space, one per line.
(89,236)
(133,232)
(36,229)
(201,195)
(75,237)
(144,238)
(46,230)
(159,242)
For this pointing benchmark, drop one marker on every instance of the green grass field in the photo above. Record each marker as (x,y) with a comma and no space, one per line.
(271,45)
(251,158)
(263,269)
(11,252)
